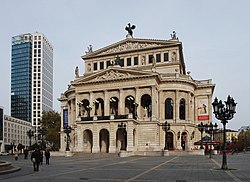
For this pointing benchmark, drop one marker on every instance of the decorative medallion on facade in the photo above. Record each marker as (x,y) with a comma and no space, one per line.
(112,75)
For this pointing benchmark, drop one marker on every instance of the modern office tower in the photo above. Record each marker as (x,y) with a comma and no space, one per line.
(31,77)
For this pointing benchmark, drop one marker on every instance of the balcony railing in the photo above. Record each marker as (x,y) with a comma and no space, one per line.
(112,117)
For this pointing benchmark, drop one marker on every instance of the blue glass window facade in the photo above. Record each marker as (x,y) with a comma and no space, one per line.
(21,80)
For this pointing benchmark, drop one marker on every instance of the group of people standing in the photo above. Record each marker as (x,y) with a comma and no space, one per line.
(37,158)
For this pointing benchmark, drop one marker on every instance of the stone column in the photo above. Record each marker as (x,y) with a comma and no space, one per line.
(161,106)
(121,109)
(79,139)
(96,146)
(112,137)
(176,113)
(106,103)
(130,137)
(138,101)
(91,99)
(154,98)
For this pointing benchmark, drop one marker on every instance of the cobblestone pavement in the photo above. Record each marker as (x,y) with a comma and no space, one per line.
(149,169)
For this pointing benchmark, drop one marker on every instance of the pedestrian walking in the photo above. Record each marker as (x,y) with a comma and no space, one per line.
(36,159)
(26,152)
(47,156)
(16,154)
(41,152)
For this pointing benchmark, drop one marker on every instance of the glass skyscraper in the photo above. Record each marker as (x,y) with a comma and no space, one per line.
(31,77)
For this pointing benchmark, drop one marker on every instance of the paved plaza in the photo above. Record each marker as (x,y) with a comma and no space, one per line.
(109,167)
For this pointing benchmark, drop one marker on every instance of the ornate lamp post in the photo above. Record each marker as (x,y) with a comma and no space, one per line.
(122,128)
(30,134)
(210,128)
(224,114)
(67,130)
(201,128)
(166,127)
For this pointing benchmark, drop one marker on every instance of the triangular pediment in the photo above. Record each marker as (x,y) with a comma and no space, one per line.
(130,44)
(113,73)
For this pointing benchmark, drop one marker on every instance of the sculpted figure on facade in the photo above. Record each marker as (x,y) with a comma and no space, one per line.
(174,56)
(77,72)
(89,67)
(143,60)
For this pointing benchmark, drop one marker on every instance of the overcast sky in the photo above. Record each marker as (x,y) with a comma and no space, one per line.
(215,36)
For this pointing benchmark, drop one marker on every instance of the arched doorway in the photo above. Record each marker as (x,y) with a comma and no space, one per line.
(184,140)
(170,140)
(87,141)
(121,139)
(104,141)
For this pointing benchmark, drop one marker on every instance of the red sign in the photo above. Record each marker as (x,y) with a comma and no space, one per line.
(205,117)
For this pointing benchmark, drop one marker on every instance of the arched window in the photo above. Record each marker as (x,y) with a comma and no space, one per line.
(169,108)
(182,109)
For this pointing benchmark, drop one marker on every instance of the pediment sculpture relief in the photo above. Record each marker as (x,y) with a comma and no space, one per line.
(112,75)
(130,46)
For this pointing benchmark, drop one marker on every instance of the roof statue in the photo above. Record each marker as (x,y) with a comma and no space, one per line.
(173,36)
(129,29)
(90,49)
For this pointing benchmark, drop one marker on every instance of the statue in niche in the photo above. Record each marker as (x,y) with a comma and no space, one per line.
(143,60)
(145,114)
(129,29)
(77,72)
(174,56)
(89,67)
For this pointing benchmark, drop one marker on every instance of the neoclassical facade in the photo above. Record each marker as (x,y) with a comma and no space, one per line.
(128,91)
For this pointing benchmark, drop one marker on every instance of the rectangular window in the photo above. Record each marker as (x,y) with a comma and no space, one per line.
(135,60)
(150,59)
(165,56)
(95,66)
(122,62)
(101,65)
(158,58)
(128,61)
(108,63)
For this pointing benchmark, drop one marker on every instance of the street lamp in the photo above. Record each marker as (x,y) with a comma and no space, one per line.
(166,127)
(224,114)
(67,130)
(201,128)
(30,134)
(210,128)
(122,128)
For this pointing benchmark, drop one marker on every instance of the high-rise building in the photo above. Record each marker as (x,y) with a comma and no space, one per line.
(31,77)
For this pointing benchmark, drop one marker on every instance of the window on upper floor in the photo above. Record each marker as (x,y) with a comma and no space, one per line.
(101,65)
(182,109)
(169,108)
(108,64)
(122,62)
(136,60)
(150,59)
(95,66)
(128,61)
(166,57)
(158,58)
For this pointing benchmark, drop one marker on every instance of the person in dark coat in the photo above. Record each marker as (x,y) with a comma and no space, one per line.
(36,159)
(26,152)
(47,156)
